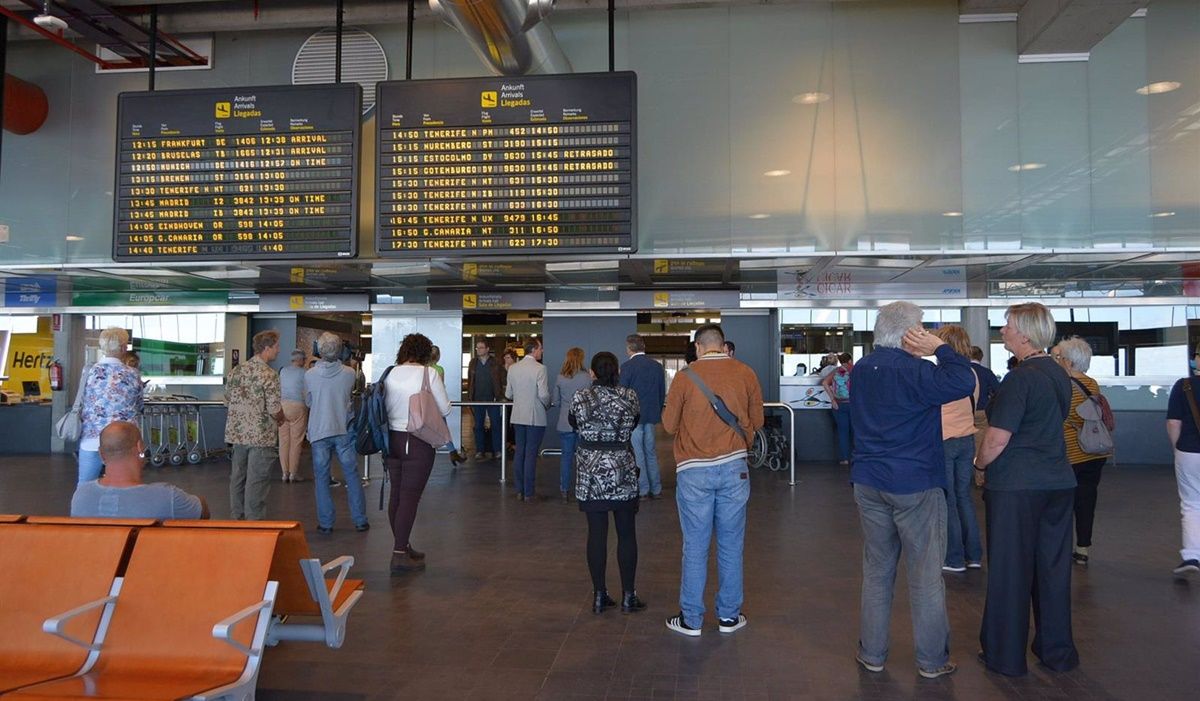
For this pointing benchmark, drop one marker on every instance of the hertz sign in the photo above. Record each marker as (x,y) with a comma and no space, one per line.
(534,164)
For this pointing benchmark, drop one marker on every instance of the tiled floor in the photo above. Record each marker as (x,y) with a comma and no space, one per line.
(503,609)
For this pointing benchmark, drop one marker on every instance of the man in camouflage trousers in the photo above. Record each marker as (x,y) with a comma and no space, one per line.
(255,412)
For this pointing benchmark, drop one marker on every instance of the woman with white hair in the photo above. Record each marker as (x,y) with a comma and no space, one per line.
(112,391)
(1029,503)
(1075,356)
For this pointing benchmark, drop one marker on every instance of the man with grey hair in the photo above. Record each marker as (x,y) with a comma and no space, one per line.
(645,376)
(328,388)
(255,413)
(899,477)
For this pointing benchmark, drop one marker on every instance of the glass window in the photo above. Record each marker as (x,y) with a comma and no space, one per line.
(168,345)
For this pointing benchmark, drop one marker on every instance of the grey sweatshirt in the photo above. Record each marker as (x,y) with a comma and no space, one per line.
(327,390)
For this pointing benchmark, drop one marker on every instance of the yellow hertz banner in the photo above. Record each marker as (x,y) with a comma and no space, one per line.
(29,357)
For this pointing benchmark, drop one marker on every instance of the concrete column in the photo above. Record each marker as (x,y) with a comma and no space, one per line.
(975,321)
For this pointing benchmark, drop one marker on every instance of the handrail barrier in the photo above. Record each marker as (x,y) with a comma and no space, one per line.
(773,405)
(791,438)
(503,432)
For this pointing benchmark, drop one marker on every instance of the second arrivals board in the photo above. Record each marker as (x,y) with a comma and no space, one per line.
(534,164)
(238,173)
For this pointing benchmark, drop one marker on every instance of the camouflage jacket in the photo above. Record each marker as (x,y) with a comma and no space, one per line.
(252,395)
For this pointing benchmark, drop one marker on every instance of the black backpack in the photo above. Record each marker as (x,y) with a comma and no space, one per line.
(371,421)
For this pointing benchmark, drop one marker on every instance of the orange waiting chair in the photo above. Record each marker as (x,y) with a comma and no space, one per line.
(11,518)
(303,588)
(176,628)
(48,569)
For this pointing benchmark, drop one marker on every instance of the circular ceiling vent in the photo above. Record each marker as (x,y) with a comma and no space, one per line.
(363,61)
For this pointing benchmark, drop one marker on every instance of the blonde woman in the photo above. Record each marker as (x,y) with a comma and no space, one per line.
(963,547)
(1029,502)
(112,391)
(571,378)
(1075,356)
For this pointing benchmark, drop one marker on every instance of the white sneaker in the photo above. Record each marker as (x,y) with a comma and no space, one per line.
(867,665)
(974,565)
(731,625)
(948,568)
(676,624)
(1187,567)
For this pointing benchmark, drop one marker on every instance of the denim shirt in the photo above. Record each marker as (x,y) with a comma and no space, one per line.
(897,417)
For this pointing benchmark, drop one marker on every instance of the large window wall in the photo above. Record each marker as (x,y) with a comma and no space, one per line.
(839,126)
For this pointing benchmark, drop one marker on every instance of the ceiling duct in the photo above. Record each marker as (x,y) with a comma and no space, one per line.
(511,36)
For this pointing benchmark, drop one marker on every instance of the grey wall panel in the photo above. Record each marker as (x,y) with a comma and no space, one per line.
(756,337)
(593,333)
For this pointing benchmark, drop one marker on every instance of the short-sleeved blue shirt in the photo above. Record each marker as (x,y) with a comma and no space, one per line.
(1032,403)
(156,500)
(1178,409)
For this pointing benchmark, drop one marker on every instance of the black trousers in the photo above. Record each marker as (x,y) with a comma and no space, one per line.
(1087,474)
(409,466)
(597,547)
(1029,562)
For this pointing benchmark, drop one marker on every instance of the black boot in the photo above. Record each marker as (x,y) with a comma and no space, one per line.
(630,603)
(601,600)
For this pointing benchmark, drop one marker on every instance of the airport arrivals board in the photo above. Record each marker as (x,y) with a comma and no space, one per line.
(237,173)
(507,165)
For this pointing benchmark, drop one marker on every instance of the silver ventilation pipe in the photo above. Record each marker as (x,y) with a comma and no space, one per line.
(510,36)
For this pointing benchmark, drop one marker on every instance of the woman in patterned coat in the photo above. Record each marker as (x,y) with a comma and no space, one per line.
(606,480)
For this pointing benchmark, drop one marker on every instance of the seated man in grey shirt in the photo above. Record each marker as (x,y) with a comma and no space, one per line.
(120,493)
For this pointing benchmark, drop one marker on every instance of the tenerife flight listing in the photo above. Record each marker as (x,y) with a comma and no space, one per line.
(238,173)
(504,165)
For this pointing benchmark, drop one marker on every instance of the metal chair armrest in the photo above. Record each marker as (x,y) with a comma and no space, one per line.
(55,624)
(223,630)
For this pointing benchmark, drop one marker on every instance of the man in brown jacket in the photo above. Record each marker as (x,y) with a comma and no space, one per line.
(712,482)
(485,383)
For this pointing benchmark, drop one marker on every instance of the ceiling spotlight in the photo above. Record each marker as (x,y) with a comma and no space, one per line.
(1159,215)
(810,98)
(1158,88)
(777,173)
(73,238)
(951,214)
(760,216)
(1026,166)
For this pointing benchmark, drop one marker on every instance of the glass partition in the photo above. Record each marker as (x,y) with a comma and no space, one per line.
(168,346)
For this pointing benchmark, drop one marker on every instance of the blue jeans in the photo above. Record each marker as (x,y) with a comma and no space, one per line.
(323,451)
(566,465)
(916,524)
(492,412)
(962,528)
(90,465)
(529,440)
(841,417)
(712,498)
(646,456)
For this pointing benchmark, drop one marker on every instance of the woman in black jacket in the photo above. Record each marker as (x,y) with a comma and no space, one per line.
(604,415)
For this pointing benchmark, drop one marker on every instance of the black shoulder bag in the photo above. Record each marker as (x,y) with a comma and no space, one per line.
(728,417)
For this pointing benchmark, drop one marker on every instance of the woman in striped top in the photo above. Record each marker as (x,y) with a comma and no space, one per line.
(1075,356)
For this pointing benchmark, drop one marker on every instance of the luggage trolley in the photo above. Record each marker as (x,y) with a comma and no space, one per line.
(173,430)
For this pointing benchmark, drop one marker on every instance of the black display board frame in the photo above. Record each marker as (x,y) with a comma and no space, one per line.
(462,91)
(318,94)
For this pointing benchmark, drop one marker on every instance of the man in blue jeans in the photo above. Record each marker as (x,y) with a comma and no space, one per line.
(712,482)
(899,477)
(328,387)
(645,376)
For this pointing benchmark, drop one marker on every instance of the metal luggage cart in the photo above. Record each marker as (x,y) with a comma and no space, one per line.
(173,430)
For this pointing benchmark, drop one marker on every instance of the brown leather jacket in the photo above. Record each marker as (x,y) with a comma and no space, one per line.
(498,378)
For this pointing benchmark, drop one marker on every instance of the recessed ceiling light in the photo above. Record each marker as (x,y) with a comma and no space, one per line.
(810,98)
(1157,215)
(951,214)
(760,216)
(1026,166)
(1158,88)
(73,238)
(777,173)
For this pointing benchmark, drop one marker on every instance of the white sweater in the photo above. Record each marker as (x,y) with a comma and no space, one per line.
(402,383)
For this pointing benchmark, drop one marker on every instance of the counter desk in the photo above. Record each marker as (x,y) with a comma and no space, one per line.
(25,429)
